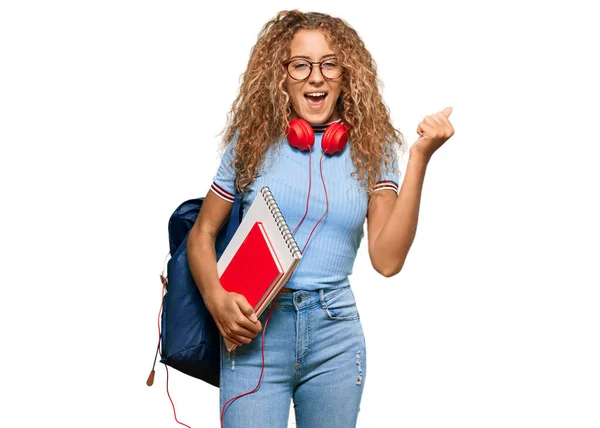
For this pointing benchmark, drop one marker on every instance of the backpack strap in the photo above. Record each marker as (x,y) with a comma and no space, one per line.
(235,217)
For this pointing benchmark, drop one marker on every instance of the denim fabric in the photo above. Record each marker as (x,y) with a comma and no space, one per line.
(314,355)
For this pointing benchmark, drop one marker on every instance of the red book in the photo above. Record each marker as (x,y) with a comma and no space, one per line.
(254,269)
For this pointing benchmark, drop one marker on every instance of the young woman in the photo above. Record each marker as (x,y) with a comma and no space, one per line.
(313,67)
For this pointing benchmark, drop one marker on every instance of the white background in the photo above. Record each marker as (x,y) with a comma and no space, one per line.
(109,118)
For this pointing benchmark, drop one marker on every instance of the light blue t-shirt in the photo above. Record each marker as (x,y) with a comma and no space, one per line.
(329,257)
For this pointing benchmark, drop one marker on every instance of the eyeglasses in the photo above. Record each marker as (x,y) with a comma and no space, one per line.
(300,69)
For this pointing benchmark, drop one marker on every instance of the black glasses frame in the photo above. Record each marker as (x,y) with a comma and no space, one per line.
(311,63)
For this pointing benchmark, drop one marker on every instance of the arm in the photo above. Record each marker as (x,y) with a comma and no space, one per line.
(392,220)
(232,313)
(202,257)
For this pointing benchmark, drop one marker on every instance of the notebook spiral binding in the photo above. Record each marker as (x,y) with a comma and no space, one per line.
(281,223)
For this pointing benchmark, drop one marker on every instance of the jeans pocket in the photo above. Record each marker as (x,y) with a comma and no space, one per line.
(341,306)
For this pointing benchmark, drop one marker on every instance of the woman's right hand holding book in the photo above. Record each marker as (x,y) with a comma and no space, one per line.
(235,318)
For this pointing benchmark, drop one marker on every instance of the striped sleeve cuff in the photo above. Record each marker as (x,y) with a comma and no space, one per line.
(222,193)
(386,185)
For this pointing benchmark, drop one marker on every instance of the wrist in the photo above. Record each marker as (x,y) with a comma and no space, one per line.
(213,294)
(416,156)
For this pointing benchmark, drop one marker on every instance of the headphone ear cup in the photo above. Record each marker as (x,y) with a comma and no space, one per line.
(300,134)
(334,138)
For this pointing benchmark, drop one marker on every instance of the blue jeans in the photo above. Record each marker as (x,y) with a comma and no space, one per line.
(314,354)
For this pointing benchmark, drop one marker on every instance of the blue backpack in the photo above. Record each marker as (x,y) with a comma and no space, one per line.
(190,339)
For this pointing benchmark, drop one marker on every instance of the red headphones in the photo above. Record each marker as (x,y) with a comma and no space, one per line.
(301,136)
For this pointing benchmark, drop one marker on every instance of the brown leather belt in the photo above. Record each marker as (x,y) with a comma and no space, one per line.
(286,290)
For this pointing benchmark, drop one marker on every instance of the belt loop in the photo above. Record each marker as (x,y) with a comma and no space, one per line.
(322,297)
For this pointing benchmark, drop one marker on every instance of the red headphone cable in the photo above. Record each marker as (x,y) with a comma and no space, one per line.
(326,205)
(309,185)
(150,381)
(262,346)
(276,297)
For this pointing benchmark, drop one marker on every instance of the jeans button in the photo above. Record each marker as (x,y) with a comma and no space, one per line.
(298,299)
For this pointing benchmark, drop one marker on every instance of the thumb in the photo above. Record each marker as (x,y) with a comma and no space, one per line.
(447,111)
(245,308)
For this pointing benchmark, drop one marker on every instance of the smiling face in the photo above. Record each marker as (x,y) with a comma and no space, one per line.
(313,99)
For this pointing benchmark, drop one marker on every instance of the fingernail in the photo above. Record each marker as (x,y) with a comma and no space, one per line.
(253,318)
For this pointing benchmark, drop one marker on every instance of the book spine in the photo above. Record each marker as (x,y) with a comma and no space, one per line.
(281,223)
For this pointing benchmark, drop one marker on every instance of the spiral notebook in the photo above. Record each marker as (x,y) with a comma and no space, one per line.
(261,256)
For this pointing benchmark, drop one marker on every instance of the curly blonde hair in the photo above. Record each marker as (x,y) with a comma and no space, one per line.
(261,112)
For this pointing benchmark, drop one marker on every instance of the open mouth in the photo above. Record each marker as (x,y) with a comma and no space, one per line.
(315,99)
